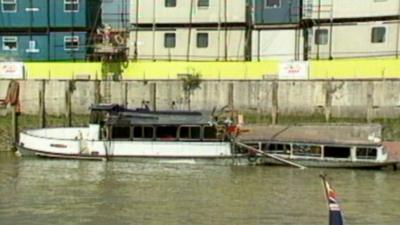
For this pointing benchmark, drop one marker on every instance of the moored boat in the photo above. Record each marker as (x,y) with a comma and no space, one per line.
(329,155)
(115,132)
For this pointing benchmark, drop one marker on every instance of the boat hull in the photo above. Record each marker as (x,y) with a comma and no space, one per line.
(240,159)
(320,163)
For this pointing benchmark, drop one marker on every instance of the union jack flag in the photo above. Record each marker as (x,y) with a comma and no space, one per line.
(335,213)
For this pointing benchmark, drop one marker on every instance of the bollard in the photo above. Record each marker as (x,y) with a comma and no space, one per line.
(14,127)
(68,106)
(42,104)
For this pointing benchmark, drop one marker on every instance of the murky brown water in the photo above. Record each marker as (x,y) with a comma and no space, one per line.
(39,191)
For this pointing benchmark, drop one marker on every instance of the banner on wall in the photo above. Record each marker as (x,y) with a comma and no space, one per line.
(297,70)
(11,70)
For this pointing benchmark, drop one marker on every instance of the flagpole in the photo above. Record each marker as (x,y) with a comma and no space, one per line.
(323,177)
(335,213)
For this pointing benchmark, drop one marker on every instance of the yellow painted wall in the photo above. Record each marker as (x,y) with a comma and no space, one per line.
(61,70)
(337,69)
(208,70)
(355,69)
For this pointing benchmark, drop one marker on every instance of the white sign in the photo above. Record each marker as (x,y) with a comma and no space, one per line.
(297,70)
(11,70)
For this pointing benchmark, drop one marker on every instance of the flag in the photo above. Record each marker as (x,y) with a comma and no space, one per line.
(335,213)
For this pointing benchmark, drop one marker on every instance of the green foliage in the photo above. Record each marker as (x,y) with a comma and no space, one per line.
(191,82)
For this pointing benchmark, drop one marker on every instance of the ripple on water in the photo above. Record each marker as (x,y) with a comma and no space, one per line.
(39,191)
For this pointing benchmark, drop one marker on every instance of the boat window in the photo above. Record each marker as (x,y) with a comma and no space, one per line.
(366,153)
(210,132)
(166,132)
(184,132)
(143,132)
(277,148)
(148,132)
(138,132)
(337,152)
(307,150)
(189,132)
(121,132)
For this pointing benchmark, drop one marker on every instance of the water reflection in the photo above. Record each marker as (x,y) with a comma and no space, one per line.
(38,191)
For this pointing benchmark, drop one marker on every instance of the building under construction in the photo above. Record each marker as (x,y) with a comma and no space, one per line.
(198,30)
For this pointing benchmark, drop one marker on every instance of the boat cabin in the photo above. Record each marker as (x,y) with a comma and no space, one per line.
(118,123)
(323,151)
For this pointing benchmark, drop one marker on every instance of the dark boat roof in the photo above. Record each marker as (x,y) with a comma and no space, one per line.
(119,115)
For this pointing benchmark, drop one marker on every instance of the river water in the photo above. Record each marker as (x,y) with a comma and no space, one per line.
(40,191)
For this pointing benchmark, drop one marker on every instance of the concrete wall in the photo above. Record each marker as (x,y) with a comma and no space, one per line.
(359,99)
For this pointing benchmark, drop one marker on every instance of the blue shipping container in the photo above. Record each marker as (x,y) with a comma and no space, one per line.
(68,46)
(23,13)
(115,13)
(24,47)
(81,13)
(49,13)
(58,46)
(276,11)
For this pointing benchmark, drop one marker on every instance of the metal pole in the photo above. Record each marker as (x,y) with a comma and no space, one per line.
(219,30)
(319,25)
(398,34)
(226,30)
(154,29)
(331,32)
(190,31)
(137,30)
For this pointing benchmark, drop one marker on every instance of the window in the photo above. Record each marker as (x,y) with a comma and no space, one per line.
(71,43)
(276,148)
(321,36)
(32,47)
(366,153)
(210,133)
(121,132)
(8,6)
(189,132)
(170,3)
(10,44)
(71,5)
(307,150)
(148,132)
(168,133)
(378,34)
(169,40)
(143,132)
(272,3)
(337,152)
(202,40)
(203,3)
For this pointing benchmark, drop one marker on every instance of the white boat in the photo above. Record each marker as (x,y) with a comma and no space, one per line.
(141,135)
(327,155)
